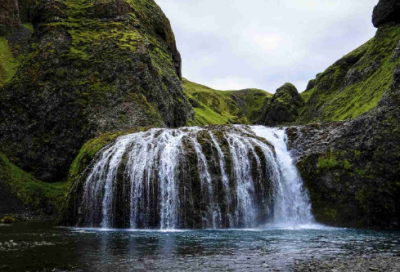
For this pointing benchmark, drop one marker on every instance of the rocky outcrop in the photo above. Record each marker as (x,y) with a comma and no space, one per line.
(311,84)
(92,68)
(356,83)
(284,106)
(9,17)
(385,12)
(352,168)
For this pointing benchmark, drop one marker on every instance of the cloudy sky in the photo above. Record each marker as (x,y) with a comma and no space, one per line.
(237,44)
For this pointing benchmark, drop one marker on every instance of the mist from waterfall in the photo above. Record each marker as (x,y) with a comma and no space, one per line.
(236,177)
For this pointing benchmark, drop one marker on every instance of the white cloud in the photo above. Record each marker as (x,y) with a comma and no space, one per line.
(227,44)
(232,83)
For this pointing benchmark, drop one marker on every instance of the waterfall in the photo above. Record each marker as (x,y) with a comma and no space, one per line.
(292,204)
(210,177)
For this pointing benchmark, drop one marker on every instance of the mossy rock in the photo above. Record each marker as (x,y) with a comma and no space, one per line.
(34,195)
(284,106)
(8,220)
(92,67)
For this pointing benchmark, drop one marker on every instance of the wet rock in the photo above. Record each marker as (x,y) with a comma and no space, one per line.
(8,220)
(347,166)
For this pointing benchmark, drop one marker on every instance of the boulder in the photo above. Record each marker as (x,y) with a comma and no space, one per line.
(385,12)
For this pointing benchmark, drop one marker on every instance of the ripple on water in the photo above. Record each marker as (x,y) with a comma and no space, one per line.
(275,246)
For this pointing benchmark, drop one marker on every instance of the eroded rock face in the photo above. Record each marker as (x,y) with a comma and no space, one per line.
(9,17)
(385,12)
(284,106)
(93,68)
(352,169)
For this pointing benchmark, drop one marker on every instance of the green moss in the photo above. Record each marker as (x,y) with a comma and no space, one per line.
(328,162)
(77,54)
(91,148)
(29,26)
(332,160)
(347,165)
(46,197)
(7,220)
(8,64)
(330,213)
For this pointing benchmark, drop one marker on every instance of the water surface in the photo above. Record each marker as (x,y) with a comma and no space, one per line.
(43,247)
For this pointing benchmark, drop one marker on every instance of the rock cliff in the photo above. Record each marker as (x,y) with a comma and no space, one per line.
(92,66)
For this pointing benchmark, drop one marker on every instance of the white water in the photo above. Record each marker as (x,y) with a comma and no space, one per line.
(147,176)
(292,205)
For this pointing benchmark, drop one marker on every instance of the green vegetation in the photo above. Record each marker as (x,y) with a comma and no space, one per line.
(29,26)
(332,160)
(355,83)
(91,148)
(306,95)
(8,64)
(7,220)
(40,196)
(328,161)
(213,107)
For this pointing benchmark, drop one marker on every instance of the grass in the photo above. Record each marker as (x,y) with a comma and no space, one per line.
(332,100)
(213,107)
(41,196)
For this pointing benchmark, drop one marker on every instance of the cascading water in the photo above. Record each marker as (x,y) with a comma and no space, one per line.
(225,177)
(291,205)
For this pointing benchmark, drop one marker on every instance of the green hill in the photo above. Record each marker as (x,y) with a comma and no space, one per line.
(213,107)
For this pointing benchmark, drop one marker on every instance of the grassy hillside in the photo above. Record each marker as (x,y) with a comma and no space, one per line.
(213,107)
(39,196)
(354,84)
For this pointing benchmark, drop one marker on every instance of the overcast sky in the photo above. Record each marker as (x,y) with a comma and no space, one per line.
(237,44)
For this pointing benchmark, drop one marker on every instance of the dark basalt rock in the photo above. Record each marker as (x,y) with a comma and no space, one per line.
(91,69)
(385,12)
(9,17)
(352,169)
(311,84)
(284,106)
